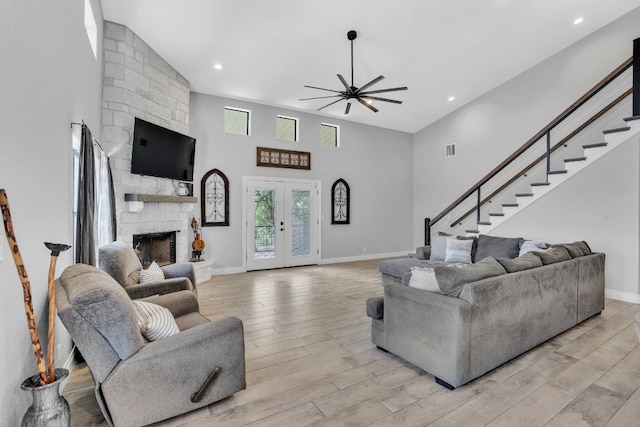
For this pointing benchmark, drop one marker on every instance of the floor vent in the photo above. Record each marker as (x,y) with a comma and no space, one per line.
(450,150)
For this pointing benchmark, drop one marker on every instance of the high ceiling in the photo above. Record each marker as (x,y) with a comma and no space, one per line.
(270,49)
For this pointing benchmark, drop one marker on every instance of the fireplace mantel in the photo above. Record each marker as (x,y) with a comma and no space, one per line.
(135,202)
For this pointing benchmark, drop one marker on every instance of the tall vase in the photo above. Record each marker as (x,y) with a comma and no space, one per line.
(49,408)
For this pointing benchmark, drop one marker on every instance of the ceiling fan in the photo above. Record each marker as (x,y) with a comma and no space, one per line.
(351,92)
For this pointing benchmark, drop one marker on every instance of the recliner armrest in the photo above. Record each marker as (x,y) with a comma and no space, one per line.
(161,287)
(179,303)
(184,269)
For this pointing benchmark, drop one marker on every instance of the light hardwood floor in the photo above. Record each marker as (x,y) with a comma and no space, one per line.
(310,361)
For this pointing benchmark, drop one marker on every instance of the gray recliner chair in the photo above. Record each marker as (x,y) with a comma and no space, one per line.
(139,382)
(120,261)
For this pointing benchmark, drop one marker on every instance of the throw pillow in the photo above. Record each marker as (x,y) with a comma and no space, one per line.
(424,278)
(153,273)
(523,262)
(532,246)
(553,255)
(497,247)
(459,250)
(452,280)
(439,246)
(155,321)
(576,249)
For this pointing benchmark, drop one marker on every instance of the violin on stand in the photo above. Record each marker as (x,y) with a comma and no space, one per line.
(198,244)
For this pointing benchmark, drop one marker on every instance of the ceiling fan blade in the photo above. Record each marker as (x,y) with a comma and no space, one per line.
(346,111)
(319,97)
(321,88)
(371,83)
(393,89)
(344,82)
(331,103)
(375,98)
(369,106)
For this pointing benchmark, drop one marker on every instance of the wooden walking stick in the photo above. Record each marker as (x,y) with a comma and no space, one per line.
(55,249)
(26,286)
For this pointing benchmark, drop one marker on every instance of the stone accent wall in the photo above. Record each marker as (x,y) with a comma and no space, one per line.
(139,83)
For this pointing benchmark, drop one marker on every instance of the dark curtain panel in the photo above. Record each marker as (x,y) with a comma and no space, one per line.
(85,239)
(112,202)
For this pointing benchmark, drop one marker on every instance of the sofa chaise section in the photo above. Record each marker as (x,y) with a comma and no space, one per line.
(494,319)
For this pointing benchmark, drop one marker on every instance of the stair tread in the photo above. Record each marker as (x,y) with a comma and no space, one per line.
(615,130)
(496,214)
(539,184)
(483,223)
(598,144)
(628,119)
(524,195)
(472,231)
(575,159)
(558,172)
(510,205)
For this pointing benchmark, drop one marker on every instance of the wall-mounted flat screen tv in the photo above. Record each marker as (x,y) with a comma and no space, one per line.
(161,152)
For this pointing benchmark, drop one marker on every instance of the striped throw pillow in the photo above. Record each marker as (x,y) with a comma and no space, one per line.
(155,321)
(153,273)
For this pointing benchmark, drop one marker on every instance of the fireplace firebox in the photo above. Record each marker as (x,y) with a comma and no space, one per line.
(158,247)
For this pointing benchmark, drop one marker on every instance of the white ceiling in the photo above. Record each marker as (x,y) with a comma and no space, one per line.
(438,48)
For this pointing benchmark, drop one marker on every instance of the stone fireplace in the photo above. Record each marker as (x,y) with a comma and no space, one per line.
(158,247)
(140,83)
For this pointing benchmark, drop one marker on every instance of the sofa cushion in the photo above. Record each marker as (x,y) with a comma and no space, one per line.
(459,250)
(532,246)
(523,262)
(424,278)
(576,249)
(439,246)
(497,247)
(452,280)
(553,255)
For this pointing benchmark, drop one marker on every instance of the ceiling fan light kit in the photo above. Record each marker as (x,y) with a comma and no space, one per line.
(350,92)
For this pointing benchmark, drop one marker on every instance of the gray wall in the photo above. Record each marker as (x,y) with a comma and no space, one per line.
(375,162)
(491,127)
(48,79)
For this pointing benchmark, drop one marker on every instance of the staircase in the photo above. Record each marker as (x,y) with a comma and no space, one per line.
(567,147)
(592,152)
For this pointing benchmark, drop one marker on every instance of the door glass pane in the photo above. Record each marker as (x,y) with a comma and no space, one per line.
(300,223)
(265,226)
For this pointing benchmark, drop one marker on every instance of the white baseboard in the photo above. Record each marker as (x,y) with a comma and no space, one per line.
(363,257)
(228,270)
(242,269)
(622,296)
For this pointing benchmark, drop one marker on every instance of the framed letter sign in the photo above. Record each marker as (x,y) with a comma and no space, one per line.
(214,201)
(340,202)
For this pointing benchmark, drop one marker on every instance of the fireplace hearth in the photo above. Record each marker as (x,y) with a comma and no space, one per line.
(158,247)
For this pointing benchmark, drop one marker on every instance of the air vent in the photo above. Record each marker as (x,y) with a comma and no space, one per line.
(450,150)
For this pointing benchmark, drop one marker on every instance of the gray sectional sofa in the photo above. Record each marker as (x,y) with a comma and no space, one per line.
(503,308)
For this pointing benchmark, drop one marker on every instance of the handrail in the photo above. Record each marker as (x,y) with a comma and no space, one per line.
(571,109)
(554,148)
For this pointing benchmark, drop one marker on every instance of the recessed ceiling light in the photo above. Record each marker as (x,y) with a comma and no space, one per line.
(578,21)
(452,98)
(218,66)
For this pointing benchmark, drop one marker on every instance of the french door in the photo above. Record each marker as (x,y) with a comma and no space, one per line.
(282,223)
